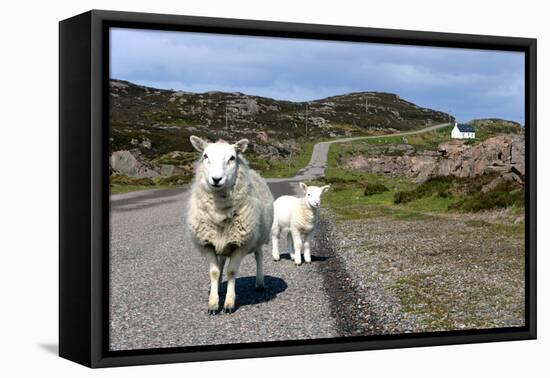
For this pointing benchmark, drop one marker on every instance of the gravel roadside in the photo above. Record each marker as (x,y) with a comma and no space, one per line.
(443,272)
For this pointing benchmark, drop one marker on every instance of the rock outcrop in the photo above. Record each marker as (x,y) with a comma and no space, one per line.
(131,164)
(501,155)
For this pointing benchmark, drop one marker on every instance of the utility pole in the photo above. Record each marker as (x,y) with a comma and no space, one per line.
(366,105)
(226,128)
(306,119)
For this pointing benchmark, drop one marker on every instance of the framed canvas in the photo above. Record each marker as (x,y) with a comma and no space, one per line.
(234,188)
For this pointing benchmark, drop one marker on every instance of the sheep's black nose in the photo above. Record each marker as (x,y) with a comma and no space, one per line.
(216,180)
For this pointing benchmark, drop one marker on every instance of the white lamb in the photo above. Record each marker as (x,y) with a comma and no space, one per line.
(230,214)
(296,217)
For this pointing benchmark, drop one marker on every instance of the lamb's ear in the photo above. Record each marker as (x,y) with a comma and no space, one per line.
(241,145)
(198,143)
(304,187)
(325,188)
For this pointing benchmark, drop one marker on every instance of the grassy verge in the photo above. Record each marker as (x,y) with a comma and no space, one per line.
(357,195)
(278,169)
(267,168)
(426,140)
(124,184)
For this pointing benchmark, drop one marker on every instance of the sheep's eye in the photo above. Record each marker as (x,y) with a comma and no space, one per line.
(309,195)
(205,156)
(232,158)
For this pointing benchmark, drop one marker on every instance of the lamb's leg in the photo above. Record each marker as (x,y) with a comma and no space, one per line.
(213,299)
(307,251)
(275,233)
(290,245)
(259,269)
(232,270)
(297,242)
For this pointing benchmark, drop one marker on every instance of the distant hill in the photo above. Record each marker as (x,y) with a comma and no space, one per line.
(158,121)
(497,123)
(488,127)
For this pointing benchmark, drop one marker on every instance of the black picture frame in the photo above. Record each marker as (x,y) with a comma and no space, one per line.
(84,190)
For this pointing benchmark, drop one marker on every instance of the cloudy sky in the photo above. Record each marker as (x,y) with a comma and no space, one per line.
(467,83)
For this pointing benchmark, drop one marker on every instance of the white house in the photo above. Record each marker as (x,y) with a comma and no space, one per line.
(463,131)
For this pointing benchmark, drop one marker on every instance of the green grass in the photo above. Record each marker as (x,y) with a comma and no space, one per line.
(433,204)
(278,169)
(124,184)
(178,158)
(350,196)
(425,140)
(504,195)
(507,229)
(436,187)
(486,130)
(462,194)
(400,197)
(374,188)
(418,296)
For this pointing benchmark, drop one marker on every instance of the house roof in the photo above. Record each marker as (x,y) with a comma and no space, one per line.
(465,128)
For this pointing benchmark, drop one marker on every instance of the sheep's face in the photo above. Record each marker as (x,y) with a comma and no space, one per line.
(219,162)
(312,194)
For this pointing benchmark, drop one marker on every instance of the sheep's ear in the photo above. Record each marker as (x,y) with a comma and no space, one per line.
(198,143)
(304,187)
(325,188)
(241,145)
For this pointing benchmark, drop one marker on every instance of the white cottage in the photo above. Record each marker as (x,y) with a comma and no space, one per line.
(463,131)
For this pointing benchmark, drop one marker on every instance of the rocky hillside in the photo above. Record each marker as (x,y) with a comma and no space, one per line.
(501,156)
(157,122)
(487,127)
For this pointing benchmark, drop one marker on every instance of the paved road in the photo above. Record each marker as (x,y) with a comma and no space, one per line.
(159,284)
(318,161)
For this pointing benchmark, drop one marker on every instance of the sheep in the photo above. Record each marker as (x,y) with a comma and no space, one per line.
(230,214)
(296,217)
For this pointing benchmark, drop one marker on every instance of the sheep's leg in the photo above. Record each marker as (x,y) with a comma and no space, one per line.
(259,269)
(290,245)
(213,299)
(297,242)
(307,251)
(221,264)
(275,233)
(232,270)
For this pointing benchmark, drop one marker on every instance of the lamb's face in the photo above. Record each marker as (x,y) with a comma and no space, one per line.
(218,162)
(312,194)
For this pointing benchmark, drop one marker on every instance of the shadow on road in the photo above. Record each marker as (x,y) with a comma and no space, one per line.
(140,206)
(245,287)
(286,256)
(145,195)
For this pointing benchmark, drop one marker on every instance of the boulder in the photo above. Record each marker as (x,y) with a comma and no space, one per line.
(130,164)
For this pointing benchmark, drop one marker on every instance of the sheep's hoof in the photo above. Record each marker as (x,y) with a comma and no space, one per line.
(297,263)
(276,258)
(212,312)
(308,261)
(228,310)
